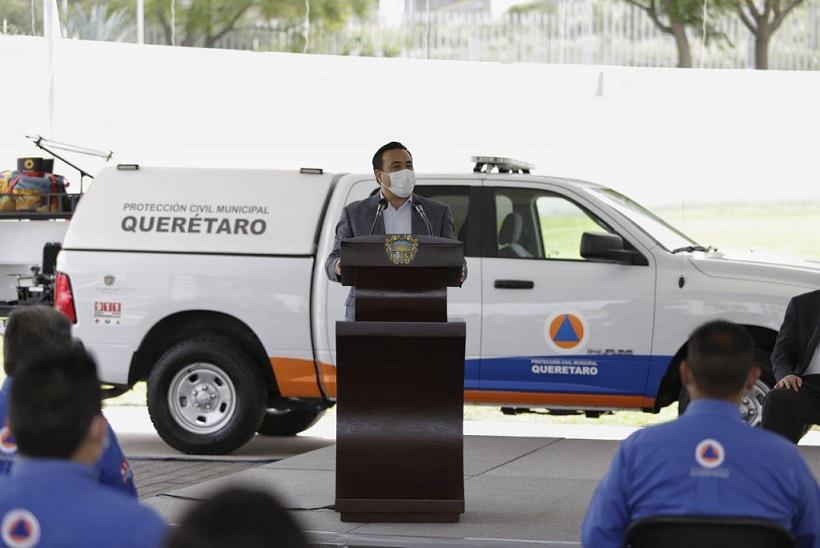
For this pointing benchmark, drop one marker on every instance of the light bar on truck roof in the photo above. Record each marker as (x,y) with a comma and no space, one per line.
(485,164)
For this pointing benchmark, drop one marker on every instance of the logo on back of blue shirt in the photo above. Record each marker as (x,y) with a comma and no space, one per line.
(125,470)
(710,453)
(20,529)
(7,443)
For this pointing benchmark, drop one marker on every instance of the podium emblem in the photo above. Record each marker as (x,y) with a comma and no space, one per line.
(401,248)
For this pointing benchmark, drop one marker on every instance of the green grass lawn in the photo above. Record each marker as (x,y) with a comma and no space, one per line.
(789,229)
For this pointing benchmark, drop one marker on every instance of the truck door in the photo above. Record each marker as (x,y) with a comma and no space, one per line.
(462,303)
(554,322)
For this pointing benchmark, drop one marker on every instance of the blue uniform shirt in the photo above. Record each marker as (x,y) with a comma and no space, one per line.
(708,462)
(112,468)
(49,502)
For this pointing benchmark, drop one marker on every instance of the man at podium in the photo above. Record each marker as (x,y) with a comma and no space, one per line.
(392,210)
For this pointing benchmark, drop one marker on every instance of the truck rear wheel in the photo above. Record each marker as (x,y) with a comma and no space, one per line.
(206,396)
(288,420)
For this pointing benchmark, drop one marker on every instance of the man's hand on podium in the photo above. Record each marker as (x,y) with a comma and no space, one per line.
(338,268)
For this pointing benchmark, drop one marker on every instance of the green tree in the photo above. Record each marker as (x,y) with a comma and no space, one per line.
(763,18)
(204,22)
(97,23)
(543,6)
(21,16)
(672,17)
(679,17)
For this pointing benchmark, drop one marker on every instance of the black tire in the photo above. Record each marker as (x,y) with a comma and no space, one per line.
(206,373)
(683,400)
(751,406)
(288,420)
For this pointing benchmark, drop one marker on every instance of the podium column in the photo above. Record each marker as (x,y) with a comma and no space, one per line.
(400,388)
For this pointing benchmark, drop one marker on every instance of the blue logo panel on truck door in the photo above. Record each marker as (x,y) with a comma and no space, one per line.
(576,373)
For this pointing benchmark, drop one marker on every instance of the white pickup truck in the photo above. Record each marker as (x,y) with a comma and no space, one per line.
(210,284)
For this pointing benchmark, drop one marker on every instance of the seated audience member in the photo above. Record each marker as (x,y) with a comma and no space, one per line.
(32,332)
(237,517)
(794,404)
(52,496)
(708,462)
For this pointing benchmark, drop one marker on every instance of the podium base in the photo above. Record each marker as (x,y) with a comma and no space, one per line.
(400,510)
(399,421)
(400,518)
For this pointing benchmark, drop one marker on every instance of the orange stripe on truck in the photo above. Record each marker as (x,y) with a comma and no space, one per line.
(329,378)
(296,378)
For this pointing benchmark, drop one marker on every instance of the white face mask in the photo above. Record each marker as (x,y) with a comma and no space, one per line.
(402,182)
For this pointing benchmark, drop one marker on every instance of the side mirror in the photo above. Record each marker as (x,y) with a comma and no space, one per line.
(608,247)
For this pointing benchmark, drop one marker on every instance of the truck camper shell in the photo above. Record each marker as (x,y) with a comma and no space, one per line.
(213,211)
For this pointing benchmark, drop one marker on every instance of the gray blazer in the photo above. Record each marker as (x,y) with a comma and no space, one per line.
(357,218)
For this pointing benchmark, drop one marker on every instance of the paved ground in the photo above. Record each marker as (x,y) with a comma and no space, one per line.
(531,489)
(157,476)
(160,469)
(521,489)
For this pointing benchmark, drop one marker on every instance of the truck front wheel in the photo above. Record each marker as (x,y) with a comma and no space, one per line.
(288,419)
(751,405)
(206,396)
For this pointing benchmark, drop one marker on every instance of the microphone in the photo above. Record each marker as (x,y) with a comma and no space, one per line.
(379,213)
(417,206)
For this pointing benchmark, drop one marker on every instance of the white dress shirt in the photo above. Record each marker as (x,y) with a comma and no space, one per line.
(399,221)
(814,364)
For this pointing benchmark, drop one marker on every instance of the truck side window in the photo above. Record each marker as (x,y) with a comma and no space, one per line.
(562,224)
(534,224)
(457,197)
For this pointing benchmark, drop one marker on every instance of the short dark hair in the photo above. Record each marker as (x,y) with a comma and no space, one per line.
(237,516)
(53,402)
(32,332)
(378,160)
(720,356)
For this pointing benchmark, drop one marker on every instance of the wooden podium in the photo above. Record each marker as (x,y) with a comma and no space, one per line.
(400,383)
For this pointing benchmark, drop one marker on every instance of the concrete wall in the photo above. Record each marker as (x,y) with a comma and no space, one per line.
(664,136)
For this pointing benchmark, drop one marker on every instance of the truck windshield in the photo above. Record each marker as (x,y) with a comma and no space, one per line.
(662,232)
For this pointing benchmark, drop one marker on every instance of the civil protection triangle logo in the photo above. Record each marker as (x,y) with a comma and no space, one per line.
(7,443)
(20,529)
(401,248)
(566,331)
(710,453)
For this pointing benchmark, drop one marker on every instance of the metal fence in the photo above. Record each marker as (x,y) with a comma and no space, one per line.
(601,32)
(586,32)
(605,32)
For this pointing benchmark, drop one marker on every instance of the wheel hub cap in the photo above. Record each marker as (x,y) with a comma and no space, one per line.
(202,398)
(751,406)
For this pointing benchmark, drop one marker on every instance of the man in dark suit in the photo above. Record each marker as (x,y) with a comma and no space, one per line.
(392,210)
(794,404)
